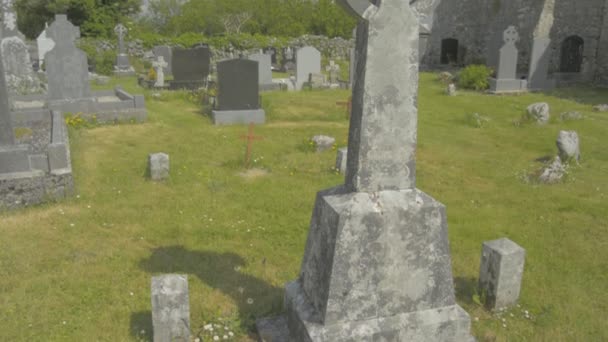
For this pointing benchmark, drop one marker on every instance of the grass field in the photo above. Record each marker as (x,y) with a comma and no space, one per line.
(80,269)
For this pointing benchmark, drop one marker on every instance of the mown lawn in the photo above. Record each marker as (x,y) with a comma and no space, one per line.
(80,269)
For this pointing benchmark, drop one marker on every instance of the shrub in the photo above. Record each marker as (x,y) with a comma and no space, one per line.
(474,77)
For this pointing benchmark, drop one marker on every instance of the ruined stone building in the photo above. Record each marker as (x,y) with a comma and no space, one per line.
(470,31)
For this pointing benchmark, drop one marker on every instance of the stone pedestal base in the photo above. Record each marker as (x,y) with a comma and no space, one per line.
(234,117)
(498,86)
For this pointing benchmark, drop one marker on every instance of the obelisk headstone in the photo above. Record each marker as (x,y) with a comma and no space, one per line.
(67,68)
(7,136)
(377,264)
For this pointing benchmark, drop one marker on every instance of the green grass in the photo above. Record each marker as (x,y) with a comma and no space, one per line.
(87,261)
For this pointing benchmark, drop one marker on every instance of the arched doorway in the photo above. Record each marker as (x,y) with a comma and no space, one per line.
(572,54)
(449,51)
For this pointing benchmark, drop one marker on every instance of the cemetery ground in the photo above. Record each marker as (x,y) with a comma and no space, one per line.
(80,269)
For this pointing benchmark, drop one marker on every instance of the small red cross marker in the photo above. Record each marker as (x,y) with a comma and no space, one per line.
(250,137)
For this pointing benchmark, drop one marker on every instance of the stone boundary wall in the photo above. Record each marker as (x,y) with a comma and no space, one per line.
(478,25)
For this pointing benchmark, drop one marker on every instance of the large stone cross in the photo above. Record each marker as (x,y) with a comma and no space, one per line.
(384,119)
(63,32)
(121,31)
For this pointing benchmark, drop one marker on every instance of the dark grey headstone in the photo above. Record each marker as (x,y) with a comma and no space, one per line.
(7,136)
(238,84)
(67,68)
(191,65)
(167,53)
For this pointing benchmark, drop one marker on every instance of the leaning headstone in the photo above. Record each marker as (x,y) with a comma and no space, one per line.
(341,160)
(568,146)
(238,93)
(123,66)
(159,67)
(377,265)
(167,53)
(20,76)
(158,166)
(170,308)
(190,67)
(538,73)
(264,69)
(323,142)
(45,44)
(500,273)
(67,68)
(308,61)
(539,112)
(506,78)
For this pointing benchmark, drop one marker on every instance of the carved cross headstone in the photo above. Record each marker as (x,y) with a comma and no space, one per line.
(159,66)
(66,66)
(507,60)
(377,263)
(7,136)
(121,32)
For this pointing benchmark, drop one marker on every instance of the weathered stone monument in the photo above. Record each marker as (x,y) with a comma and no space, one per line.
(506,73)
(500,273)
(308,61)
(66,65)
(167,53)
(158,166)
(377,262)
(170,308)
(159,66)
(123,66)
(19,74)
(238,93)
(333,70)
(288,61)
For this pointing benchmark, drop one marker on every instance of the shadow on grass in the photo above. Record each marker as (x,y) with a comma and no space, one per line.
(583,94)
(465,288)
(254,297)
(141,325)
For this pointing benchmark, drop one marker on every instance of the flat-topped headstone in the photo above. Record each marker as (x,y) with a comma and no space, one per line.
(308,61)
(167,53)
(191,65)
(264,67)
(158,166)
(238,87)
(170,308)
(7,135)
(238,98)
(377,265)
(67,68)
(500,273)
